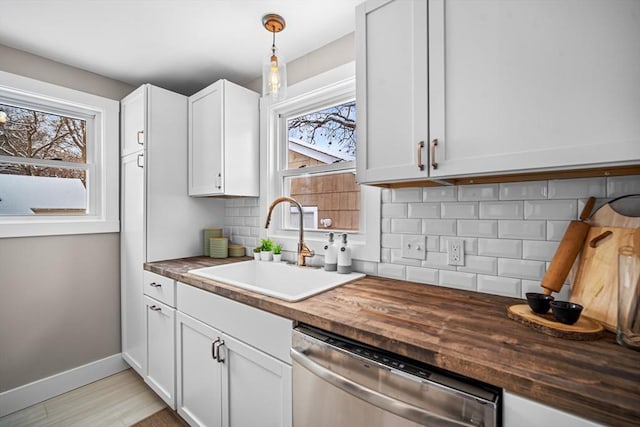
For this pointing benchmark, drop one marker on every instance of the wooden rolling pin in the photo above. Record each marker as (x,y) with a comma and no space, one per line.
(567,251)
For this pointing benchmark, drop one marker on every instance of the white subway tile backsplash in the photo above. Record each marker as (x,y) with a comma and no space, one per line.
(366,267)
(477,228)
(386,195)
(385,225)
(412,225)
(440,194)
(397,258)
(422,275)
(437,260)
(385,255)
(391,271)
(479,264)
(392,241)
(502,248)
(521,269)
(470,245)
(457,279)
(478,192)
(502,210)
(622,185)
(433,243)
(538,250)
(532,230)
(424,210)
(406,195)
(441,227)
(523,190)
(459,210)
(505,286)
(551,209)
(556,229)
(232,211)
(394,210)
(577,188)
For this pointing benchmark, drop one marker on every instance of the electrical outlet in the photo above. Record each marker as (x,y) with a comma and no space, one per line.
(414,247)
(455,251)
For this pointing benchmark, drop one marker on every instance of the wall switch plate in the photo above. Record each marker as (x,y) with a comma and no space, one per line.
(455,251)
(414,247)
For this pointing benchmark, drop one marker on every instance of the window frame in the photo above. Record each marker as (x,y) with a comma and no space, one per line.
(330,88)
(102,165)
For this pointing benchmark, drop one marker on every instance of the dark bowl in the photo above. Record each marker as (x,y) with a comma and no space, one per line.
(566,312)
(539,303)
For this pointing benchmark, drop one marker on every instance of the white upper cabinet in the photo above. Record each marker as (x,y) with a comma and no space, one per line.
(391,91)
(224,141)
(132,111)
(531,85)
(521,86)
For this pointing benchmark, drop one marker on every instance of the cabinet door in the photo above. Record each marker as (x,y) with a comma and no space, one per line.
(132,112)
(160,340)
(199,375)
(132,256)
(206,133)
(257,387)
(518,411)
(535,84)
(391,90)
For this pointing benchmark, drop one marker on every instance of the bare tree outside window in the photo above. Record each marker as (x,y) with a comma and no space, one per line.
(31,134)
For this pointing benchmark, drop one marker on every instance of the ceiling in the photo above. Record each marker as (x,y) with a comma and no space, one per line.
(181,45)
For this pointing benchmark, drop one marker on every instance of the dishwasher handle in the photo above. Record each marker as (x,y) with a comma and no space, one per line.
(373,397)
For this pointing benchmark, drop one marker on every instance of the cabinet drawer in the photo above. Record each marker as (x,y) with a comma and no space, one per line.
(260,329)
(160,287)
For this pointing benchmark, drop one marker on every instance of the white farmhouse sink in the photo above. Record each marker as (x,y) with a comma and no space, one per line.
(276,279)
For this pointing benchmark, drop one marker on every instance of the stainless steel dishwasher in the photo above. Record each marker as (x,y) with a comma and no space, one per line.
(338,382)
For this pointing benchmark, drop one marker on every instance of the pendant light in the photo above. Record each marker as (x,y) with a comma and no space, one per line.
(274,70)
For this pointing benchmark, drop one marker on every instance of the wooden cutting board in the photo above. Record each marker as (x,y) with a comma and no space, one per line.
(584,329)
(595,286)
(627,214)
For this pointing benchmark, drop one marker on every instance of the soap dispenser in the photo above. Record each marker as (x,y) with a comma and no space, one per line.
(330,255)
(344,256)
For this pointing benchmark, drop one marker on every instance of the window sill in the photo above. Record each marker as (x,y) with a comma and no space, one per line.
(57,227)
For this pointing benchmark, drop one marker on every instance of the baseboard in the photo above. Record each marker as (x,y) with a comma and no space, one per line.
(46,388)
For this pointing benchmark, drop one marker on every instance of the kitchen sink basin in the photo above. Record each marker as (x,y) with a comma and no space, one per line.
(276,279)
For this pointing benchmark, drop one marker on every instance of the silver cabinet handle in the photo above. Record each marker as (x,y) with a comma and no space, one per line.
(419,147)
(140,157)
(155,308)
(155,285)
(432,153)
(140,137)
(219,181)
(373,397)
(214,349)
(221,357)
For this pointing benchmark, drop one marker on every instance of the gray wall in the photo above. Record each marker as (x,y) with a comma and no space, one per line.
(59,295)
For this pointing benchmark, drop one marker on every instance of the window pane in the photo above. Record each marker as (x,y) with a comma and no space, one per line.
(39,135)
(322,137)
(334,197)
(45,190)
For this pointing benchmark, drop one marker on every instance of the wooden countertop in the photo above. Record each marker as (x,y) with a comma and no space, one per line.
(464,332)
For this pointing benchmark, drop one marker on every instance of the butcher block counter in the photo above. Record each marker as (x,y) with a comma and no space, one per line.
(464,332)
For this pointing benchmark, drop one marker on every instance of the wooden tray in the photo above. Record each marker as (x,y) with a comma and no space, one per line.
(596,283)
(584,329)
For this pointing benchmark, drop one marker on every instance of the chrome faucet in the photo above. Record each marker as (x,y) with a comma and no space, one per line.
(303,250)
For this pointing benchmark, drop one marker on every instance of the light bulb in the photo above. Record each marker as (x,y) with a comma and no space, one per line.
(274,75)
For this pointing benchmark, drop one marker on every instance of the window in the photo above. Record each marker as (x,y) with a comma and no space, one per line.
(58,160)
(311,158)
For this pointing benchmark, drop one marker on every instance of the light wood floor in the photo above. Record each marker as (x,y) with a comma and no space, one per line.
(119,400)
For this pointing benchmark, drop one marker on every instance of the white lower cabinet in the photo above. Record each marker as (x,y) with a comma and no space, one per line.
(225,374)
(159,367)
(519,411)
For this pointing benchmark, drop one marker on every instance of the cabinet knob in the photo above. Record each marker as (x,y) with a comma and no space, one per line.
(419,148)
(432,154)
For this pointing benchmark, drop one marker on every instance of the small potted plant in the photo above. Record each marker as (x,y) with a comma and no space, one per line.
(277,253)
(266,249)
(256,253)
